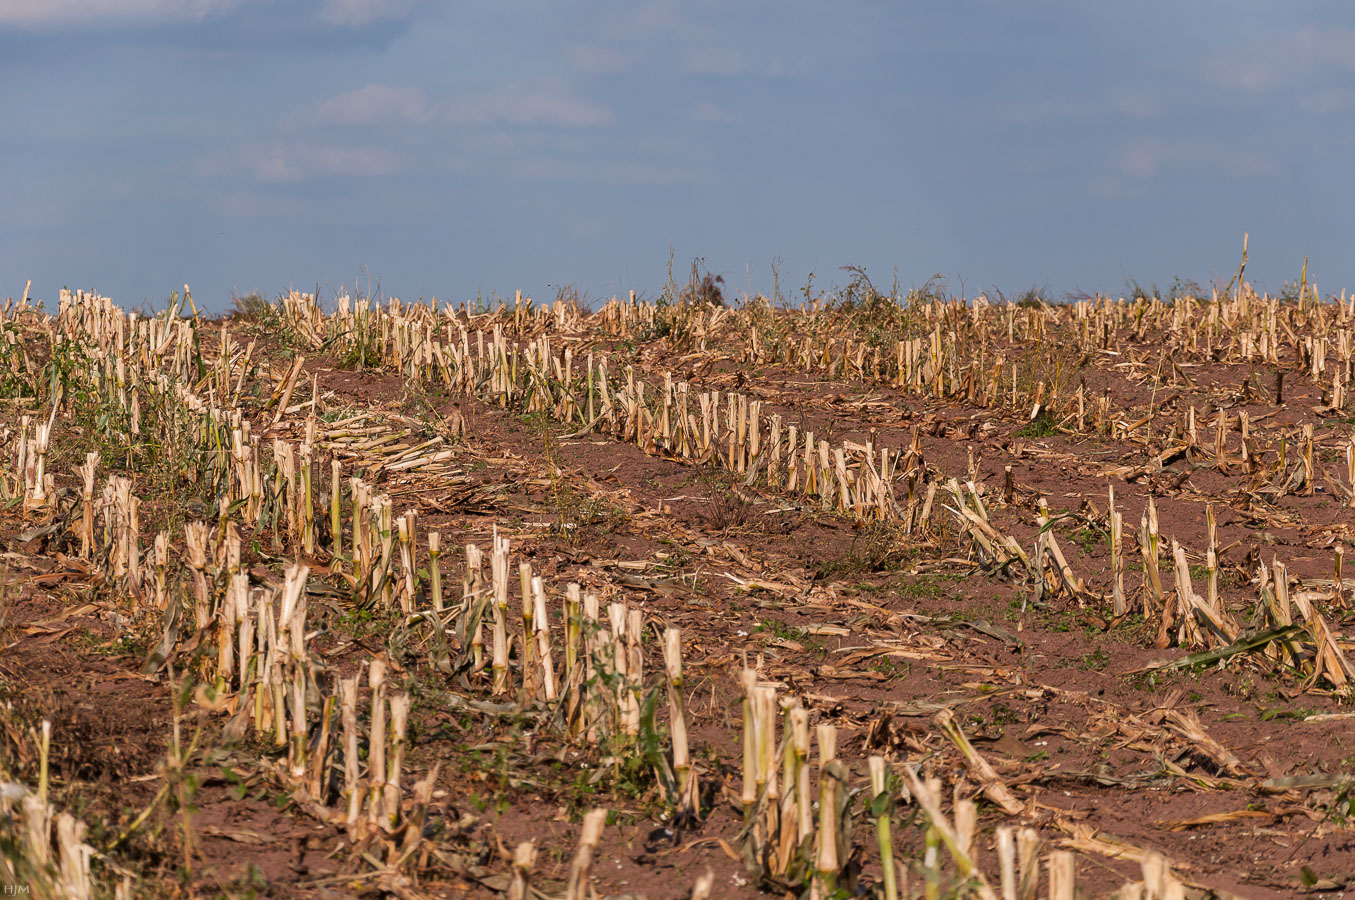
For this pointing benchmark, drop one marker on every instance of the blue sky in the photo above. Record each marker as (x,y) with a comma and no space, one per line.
(454,149)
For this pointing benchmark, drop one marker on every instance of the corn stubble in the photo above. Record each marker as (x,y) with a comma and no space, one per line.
(315,489)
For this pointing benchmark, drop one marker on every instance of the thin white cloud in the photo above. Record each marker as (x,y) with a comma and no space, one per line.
(1143,158)
(61,14)
(549,102)
(281,161)
(621,172)
(1297,58)
(253,205)
(717,61)
(1240,72)
(57,13)
(1043,110)
(1137,106)
(373,104)
(596,59)
(544,103)
(1242,163)
(662,30)
(657,17)
(1328,101)
(1114,187)
(357,13)
(709,112)
(1326,46)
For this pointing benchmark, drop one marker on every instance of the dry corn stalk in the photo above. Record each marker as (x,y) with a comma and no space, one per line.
(682,767)
(882,807)
(983,772)
(577,885)
(927,798)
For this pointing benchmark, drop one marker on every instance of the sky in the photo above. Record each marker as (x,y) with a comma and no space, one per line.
(454,150)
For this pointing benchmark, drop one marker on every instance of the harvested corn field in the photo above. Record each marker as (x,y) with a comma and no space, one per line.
(888,596)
